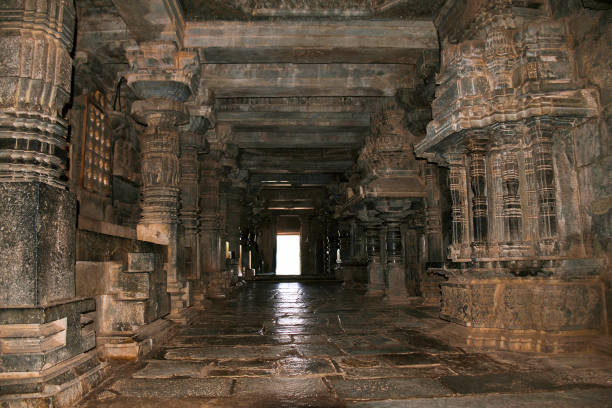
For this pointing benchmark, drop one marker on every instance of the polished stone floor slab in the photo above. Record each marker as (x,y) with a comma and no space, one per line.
(317,345)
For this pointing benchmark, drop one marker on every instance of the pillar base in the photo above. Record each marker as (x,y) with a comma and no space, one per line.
(60,386)
(48,356)
(552,313)
(140,343)
(396,282)
(533,341)
(376,280)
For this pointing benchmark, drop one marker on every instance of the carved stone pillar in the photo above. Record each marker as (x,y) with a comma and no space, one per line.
(396,272)
(376,272)
(235,209)
(478,184)
(458,191)
(192,144)
(163,78)
(46,334)
(540,132)
(505,101)
(211,246)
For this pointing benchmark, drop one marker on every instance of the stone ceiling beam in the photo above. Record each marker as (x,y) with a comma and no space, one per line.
(291,164)
(153,20)
(287,80)
(296,104)
(292,194)
(298,119)
(332,139)
(263,179)
(357,41)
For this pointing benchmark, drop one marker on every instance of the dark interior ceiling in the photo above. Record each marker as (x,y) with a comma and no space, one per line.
(296,80)
(204,10)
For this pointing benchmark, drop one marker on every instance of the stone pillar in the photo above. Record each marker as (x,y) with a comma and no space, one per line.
(211,248)
(235,208)
(434,243)
(519,265)
(160,191)
(192,143)
(163,78)
(376,272)
(45,332)
(396,271)
(478,183)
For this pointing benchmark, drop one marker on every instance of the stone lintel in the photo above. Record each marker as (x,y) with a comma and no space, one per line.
(152,20)
(357,41)
(288,80)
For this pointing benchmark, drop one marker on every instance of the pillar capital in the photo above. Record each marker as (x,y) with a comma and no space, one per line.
(158,69)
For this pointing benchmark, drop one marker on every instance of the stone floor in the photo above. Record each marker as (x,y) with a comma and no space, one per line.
(316,345)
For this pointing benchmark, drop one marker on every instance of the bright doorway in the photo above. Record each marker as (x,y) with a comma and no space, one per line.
(288,255)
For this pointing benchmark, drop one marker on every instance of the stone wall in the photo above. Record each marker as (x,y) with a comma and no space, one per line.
(590,31)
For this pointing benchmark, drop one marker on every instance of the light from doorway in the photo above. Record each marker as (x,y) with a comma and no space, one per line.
(288,255)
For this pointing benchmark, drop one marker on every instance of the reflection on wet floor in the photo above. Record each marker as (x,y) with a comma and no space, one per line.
(317,345)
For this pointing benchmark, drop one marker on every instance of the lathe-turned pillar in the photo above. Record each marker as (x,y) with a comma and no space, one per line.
(163,78)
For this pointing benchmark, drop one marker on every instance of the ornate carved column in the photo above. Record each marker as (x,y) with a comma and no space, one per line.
(507,97)
(45,332)
(477,151)
(163,78)
(458,190)
(540,132)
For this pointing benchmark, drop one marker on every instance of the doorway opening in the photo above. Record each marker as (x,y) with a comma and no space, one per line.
(288,254)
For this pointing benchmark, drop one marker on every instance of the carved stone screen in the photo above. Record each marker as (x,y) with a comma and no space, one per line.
(97,147)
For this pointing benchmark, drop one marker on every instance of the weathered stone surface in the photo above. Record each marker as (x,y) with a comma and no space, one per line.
(37,244)
(165,388)
(388,388)
(289,389)
(140,262)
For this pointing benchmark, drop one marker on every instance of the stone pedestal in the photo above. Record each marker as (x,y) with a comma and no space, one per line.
(126,326)
(554,313)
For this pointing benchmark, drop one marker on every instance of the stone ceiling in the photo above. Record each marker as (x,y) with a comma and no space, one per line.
(295,80)
(201,10)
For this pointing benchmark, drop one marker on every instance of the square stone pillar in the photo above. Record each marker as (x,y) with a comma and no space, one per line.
(46,334)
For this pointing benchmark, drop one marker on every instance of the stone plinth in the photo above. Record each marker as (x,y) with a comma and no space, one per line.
(126,326)
(507,102)
(46,353)
(536,314)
